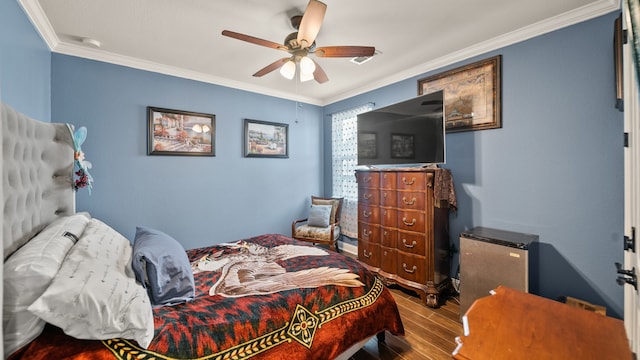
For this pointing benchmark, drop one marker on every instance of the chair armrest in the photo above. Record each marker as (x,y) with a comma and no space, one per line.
(294,223)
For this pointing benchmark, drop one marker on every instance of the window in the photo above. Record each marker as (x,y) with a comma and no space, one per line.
(344,152)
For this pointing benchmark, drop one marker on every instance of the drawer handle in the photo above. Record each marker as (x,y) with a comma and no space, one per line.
(364,253)
(385,253)
(384,194)
(386,233)
(413,244)
(404,266)
(366,213)
(410,202)
(365,234)
(367,196)
(368,179)
(404,180)
(413,222)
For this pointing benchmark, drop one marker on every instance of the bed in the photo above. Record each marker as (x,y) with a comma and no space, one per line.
(94,294)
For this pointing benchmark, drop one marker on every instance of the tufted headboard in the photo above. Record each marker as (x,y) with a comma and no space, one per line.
(37,176)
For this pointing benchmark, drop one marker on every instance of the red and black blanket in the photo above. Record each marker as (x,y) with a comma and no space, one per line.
(265,297)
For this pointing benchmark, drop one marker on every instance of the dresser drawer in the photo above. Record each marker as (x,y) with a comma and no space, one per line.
(413,243)
(412,267)
(389,237)
(411,221)
(388,217)
(369,214)
(388,198)
(411,200)
(368,232)
(413,181)
(369,253)
(388,180)
(368,196)
(368,179)
(388,260)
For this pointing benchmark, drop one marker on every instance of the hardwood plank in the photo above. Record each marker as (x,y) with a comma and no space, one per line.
(429,333)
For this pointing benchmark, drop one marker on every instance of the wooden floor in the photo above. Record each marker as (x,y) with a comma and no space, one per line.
(429,333)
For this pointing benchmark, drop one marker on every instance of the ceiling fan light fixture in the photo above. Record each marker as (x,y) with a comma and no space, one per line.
(306,76)
(288,70)
(307,66)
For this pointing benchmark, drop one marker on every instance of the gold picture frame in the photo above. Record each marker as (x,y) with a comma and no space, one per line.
(471,95)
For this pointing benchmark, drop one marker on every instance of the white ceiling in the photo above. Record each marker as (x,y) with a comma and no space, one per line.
(183,37)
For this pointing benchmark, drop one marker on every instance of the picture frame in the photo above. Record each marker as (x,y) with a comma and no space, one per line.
(472,95)
(402,146)
(367,145)
(266,139)
(178,132)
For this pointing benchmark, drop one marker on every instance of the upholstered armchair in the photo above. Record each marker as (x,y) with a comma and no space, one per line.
(322,226)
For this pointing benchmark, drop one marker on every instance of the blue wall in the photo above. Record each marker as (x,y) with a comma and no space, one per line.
(198,200)
(25,70)
(554,169)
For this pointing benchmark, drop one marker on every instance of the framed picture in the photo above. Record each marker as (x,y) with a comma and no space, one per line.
(471,95)
(367,145)
(266,139)
(176,132)
(402,146)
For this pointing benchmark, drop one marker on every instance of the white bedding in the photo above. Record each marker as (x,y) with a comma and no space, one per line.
(94,295)
(28,273)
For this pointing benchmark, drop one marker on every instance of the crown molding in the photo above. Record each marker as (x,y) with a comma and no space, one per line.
(39,20)
(37,17)
(584,13)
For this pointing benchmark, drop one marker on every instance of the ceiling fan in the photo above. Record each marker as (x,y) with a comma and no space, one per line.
(302,43)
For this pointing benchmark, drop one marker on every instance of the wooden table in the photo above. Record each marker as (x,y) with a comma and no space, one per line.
(516,325)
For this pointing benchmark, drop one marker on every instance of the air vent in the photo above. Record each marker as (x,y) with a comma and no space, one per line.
(363,59)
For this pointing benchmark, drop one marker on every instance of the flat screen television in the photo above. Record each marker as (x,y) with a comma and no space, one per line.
(409,133)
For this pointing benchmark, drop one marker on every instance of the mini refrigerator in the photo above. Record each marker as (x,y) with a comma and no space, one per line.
(489,258)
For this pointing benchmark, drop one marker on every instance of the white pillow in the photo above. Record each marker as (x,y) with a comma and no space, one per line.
(27,274)
(95,295)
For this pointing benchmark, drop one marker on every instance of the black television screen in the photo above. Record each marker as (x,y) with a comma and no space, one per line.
(409,133)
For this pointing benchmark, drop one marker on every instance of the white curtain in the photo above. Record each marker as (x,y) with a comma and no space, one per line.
(344,151)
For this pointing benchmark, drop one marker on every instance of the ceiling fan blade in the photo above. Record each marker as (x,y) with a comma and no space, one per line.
(311,22)
(319,74)
(254,40)
(344,51)
(271,67)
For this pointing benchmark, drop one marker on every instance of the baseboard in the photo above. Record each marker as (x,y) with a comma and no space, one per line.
(348,248)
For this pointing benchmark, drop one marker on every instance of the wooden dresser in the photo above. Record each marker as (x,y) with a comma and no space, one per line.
(403,231)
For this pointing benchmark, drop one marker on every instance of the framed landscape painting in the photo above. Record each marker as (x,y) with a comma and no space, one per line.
(266,139)
(177,132)
(471,95)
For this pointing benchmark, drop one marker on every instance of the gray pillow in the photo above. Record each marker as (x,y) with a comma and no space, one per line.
(162,266)
(319,215)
